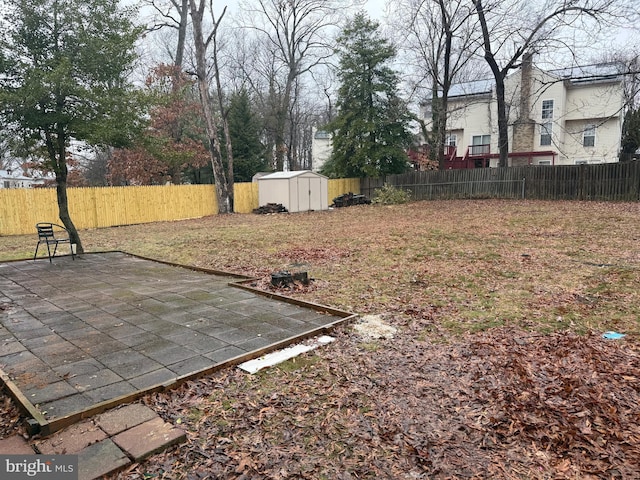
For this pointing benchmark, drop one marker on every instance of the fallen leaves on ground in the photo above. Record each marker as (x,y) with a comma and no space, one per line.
(501,404)
(12,420)
(497,370)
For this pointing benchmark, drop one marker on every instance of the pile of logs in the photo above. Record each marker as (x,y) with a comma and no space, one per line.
(270,208)
(348,199)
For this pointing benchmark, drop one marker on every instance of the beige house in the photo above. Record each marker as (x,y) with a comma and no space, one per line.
(557,117)
(321,148)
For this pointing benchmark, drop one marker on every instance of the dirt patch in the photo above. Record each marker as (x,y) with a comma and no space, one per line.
(373,327)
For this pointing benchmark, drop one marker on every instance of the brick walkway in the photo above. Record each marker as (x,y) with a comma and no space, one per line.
(79,337)
(105,444)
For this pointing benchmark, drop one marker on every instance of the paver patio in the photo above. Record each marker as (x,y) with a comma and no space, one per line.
(78,337)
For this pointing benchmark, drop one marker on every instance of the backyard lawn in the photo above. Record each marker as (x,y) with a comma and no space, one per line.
(498,368)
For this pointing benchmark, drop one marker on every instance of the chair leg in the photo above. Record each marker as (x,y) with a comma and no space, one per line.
(49,252)
(36,254)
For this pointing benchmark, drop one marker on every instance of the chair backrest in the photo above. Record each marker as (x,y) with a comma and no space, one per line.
(45,230)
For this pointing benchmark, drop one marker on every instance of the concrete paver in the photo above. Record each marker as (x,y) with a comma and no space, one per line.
(72,439)
(148,438)
(118,420)
(106,443)
(99,459)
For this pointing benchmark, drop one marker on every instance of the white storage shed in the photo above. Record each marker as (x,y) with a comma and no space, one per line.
(298,191)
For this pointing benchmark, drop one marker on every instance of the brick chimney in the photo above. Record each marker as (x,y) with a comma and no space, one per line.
(524,126)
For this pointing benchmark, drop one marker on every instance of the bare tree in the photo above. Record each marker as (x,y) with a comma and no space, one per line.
(298,34)
(172,14)
(440,37)
(254,70)
(198,8)
(511,29)
(94,165)
(222,103)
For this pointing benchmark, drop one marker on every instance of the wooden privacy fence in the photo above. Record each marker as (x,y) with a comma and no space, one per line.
(609,181)
(21,209)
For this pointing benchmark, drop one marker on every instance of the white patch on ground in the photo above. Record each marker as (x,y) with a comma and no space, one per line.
(279,356)
(372,327)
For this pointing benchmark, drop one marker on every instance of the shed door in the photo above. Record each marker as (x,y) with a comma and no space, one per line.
(315,194)
(304,194)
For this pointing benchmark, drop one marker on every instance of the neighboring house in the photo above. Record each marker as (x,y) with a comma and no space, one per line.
(558,117)
(15,179)
(321,148)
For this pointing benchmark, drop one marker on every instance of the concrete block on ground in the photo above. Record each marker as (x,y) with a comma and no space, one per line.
(118,420)
(72,439)
(149,438)
(99,459)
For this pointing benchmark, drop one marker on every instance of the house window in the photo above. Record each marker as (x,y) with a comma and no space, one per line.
(547,110)
(546,127)
(322,135)
(545,133)
(589,136)
(544,162)
(480,144)
(451,140)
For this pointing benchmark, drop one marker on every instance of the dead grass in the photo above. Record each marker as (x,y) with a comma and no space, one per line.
(497,369)
(469,264)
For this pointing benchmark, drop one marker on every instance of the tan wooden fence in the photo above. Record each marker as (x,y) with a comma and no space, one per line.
(21,209)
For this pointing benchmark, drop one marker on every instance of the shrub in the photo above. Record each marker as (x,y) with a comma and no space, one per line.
(390,195)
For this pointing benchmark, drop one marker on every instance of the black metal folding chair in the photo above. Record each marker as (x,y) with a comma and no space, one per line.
(52,234)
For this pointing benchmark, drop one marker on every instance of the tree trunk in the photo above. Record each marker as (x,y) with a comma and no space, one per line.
(437,136)
(229,147)
(281,144)
(63,209)
(283,117)
(182,33)
(223,112)
(57,154)
(446,85)
(503,131)
(222,187)
(498,75)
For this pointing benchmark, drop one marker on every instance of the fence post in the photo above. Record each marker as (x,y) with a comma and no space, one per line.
(524,179)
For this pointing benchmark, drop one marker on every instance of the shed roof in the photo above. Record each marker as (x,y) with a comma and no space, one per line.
(285,175)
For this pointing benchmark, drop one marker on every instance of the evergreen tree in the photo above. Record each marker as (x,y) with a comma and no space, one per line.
(248,153)
(64,65)
(371,130)
(631,133)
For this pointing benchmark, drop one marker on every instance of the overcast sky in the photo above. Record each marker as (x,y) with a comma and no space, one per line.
(375,8)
